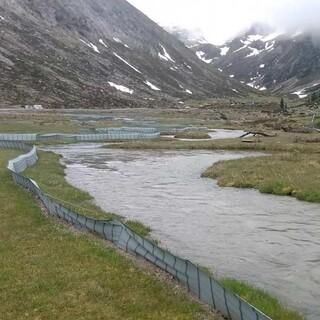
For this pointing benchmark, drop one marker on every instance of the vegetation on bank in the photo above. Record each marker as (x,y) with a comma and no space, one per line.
(291,174)
(49,174)
(49,272)
(192,135)
(292,169)
(261,300)
(286,142)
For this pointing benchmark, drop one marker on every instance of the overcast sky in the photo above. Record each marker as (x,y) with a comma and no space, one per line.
(219,20)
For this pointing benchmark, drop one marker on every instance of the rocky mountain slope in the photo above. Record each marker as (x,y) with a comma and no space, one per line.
(97,53)
(266,60)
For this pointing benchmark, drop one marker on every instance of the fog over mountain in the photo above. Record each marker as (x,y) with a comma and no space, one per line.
(222,20)
(263,58)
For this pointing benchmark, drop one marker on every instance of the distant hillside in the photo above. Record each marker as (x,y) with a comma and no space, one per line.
(98,53)
(266,60)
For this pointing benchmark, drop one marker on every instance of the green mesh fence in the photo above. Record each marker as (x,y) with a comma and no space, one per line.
(198,282)
(101,135)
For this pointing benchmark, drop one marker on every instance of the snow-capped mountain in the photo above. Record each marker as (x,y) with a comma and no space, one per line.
(267,60)
(97,53)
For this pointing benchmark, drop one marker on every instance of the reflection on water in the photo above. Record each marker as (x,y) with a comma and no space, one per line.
(271,241)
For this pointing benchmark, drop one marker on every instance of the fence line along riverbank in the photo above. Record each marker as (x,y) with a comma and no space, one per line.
(198,282)
(103,134)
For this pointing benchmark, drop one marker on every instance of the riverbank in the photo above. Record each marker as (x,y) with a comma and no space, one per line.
(51,272)
(262,300)
(291,174)
(269,305)
(49,174)
(292,169)
(282,142)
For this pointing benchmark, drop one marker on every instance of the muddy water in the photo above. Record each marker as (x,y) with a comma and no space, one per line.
(273,242)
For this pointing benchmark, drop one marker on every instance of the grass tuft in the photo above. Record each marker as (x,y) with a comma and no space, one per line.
(296,175)
(261,300)
(192,135)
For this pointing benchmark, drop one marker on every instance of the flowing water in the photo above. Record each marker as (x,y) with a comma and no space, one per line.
(270,241)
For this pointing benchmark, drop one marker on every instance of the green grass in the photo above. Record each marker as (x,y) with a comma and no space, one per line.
(105,285)
(261,300)
(48,122)
(49,174)
(288,142)
(49,272)
(292,169)
(291,174)
(138,227)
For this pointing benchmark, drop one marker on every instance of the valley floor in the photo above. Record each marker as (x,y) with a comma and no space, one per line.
(51,272)
(48,271)
(292,167)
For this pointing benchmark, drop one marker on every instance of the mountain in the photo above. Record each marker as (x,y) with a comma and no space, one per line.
(97,53)
(188,37)
(281,63)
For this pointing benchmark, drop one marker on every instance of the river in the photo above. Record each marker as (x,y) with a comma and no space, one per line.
(272,242)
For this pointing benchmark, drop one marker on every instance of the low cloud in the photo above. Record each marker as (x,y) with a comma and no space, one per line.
(296,15)
(222,19)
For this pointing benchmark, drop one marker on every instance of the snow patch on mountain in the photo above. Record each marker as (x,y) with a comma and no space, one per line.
(270,45)
(253,83)
(241,48)
(254,37)
(119,41)
(188,91)
(271,36)
(302,92)
(91,45)
(102,42)
(201,56)
(224,50)
(165,55)
(269,40)
(152,86)
(254,52)
(120,87)
(95,48)
(2,18)
(127,63)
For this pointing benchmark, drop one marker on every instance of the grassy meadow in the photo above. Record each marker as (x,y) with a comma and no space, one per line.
(50,272)
(291,174)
